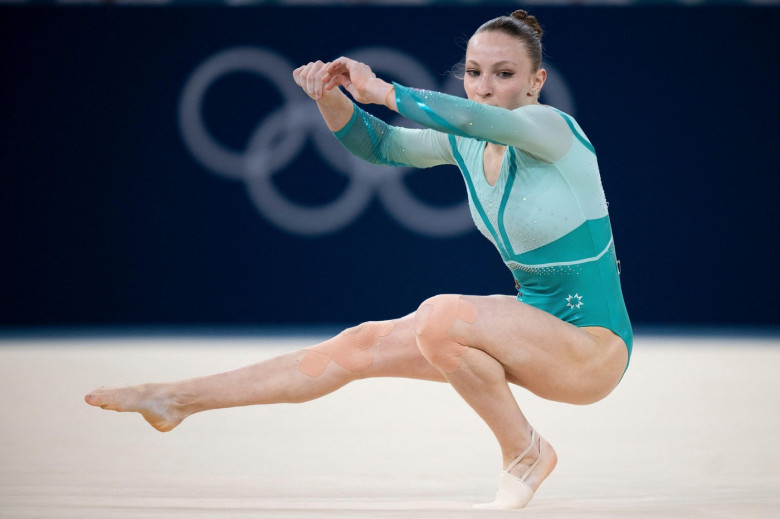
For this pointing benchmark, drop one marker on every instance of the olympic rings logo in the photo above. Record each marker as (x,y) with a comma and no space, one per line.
(281,136)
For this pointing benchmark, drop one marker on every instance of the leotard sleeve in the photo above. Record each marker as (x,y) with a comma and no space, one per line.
(374,140)
(537,129)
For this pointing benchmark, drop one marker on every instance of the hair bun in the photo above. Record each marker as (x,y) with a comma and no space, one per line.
(530,20)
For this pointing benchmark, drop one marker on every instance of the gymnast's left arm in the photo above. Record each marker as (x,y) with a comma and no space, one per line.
(540,130)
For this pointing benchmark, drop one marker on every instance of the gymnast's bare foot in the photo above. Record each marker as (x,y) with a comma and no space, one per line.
(154,403)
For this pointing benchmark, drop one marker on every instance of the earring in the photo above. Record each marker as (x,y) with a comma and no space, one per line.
(531,93)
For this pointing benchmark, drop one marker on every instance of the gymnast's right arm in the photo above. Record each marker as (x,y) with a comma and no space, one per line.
(367,136)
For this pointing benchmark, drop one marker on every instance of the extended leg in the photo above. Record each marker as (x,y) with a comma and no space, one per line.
(384,348)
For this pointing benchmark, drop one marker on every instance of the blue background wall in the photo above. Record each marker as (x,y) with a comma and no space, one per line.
(107,217)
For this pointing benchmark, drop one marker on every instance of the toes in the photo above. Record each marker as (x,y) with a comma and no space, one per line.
(91,398)
(97,398)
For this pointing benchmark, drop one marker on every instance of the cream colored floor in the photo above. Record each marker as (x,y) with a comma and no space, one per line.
(692,431)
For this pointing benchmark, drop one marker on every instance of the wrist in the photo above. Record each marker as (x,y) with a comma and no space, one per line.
(380,91)
(390,92)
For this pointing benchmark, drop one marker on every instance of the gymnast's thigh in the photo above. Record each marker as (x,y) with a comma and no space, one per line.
(547,356)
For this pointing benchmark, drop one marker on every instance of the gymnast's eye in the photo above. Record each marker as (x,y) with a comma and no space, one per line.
(472,72)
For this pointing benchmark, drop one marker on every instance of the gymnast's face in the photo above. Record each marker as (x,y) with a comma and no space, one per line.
(498,71)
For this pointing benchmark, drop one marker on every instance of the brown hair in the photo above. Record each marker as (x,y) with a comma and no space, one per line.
(524,27)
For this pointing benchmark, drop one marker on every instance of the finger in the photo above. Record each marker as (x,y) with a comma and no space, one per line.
(333,83)
(319,82)
(344,61)
(349,87)
(297,75)
(341,65)
(324,72)
(334,69)
(310,88)
(303,72)
(300,70)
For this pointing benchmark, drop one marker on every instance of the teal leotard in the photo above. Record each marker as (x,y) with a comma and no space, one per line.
(546,214)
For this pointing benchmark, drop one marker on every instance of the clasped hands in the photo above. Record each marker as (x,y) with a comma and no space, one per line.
(318,79)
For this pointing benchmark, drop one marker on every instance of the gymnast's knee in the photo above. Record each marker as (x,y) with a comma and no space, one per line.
(434,327)
(350,349)
(435,316)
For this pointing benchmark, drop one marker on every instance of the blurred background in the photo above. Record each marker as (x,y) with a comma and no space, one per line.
(159,168)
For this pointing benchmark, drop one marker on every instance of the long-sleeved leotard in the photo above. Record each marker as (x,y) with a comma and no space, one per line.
(546,214)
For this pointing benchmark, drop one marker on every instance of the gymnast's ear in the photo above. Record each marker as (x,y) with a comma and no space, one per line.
(537,82)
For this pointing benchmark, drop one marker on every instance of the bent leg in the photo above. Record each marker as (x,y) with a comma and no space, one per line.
(481,343)
(445,330)
(373,349)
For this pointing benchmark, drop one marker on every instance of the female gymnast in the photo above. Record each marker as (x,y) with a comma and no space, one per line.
(534,190)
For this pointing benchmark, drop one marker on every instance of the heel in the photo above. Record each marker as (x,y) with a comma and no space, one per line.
(514,492)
